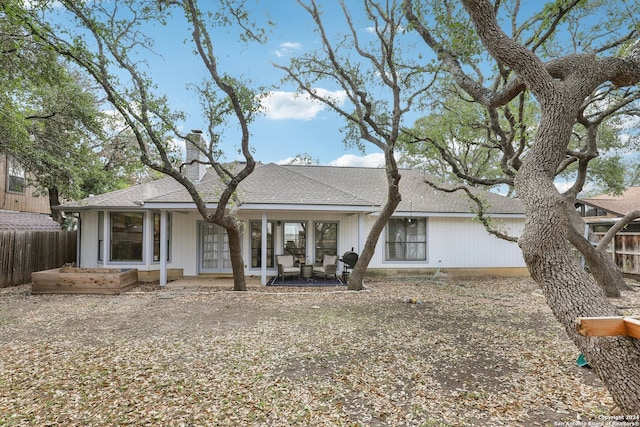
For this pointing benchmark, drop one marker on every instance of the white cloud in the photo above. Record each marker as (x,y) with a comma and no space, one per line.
(287,161)
(290,105)
(373,160)
(287,48)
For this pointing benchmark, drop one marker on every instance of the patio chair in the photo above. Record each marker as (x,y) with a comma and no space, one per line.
(327,268)
(286,266)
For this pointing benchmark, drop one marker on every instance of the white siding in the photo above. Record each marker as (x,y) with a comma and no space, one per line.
(463,243)
(184,242)
(460,243)
(451,242)
(89,239)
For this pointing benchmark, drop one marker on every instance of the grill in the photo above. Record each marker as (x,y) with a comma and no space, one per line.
(349,260)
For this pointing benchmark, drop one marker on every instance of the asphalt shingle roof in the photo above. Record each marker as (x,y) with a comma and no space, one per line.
(27,221)
(272,184)
(623,204)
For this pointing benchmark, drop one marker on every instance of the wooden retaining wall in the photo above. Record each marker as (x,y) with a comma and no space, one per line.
(107,281)
(23,252)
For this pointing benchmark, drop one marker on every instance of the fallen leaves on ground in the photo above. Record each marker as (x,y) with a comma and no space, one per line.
(402,353)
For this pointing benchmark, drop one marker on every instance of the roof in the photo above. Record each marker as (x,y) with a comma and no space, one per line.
(27,221)
(621,205)
(304,185)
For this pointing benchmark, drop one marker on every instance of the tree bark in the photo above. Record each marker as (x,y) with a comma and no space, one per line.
(601,265)
(569,290)
(235,253)
(54,200)
(356,278)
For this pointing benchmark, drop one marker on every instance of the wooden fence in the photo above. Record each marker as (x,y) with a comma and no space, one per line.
(625,250)
(23,252)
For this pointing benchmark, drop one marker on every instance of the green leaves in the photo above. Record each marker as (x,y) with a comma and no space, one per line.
(51,117)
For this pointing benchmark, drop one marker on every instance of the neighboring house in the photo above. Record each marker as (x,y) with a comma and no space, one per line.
(606,208)
(20,206)
(304,210)
(601,212)
(29,239)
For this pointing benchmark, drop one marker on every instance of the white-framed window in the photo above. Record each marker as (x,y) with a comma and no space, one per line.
(295,239)
(406,239)
(326,239)
(16,176)
(127,231)
(256,244)
(127,235)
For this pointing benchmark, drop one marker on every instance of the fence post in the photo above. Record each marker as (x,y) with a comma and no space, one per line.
(23,252)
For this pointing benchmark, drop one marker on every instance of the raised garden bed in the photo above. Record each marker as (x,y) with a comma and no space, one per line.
(68,280)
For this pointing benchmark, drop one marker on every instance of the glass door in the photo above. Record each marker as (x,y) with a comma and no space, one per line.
(214,249)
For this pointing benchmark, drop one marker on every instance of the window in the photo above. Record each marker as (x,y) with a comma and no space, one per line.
(156,236)
(256,244)
(406,239)
(126,236)
(17,179)
(326,239)
(295,240)
(100,234)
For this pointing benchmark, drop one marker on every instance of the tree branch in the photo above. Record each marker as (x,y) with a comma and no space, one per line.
(619,225)
(481,209)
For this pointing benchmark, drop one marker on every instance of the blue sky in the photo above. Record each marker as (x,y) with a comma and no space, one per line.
(291,125)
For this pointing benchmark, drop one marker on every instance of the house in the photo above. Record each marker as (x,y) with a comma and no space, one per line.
(605,208)
(29,239)
(305,210)
(601,212)
(21,208)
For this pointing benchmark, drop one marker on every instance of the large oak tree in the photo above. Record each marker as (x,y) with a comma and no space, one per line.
(560,87)
(382,87)
(106,39)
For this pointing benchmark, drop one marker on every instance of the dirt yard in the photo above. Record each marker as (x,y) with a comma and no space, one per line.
(468,353)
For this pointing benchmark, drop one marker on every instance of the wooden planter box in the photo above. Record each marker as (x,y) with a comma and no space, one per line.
(109,281)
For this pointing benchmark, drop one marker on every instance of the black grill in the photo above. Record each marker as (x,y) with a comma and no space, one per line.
(349,260)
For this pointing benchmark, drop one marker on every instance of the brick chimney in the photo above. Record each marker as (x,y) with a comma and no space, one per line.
(195,171)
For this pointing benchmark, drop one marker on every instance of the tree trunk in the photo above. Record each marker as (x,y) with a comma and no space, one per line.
(605,272)
(54,200)
(603,268)
(570,291)
(356,278)
(601,265)
(235,253)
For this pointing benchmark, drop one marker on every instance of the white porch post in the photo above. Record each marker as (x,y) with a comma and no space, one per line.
(163,248)
(362,232)
(263,251)
(79,241)
(106,237)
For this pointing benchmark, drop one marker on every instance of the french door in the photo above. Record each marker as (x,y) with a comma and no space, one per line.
(213,248)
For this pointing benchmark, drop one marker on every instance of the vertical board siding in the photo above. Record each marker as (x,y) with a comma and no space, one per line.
(23,252)
(29,201)
(625,250)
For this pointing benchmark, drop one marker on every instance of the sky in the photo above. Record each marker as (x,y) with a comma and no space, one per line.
(291,125)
